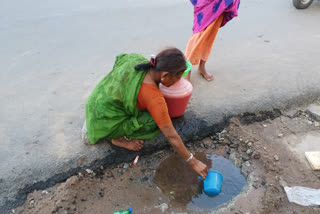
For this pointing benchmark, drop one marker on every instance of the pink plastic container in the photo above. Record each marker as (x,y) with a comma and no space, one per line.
(178,95)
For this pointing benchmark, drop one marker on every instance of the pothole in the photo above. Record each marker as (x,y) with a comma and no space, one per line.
(184,186)
(163,183)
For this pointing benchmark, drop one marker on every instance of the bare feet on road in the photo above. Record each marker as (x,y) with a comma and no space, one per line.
(133,145)
(209,77)
(202,70)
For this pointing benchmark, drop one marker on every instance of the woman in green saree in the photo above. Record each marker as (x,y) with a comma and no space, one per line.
(127,106)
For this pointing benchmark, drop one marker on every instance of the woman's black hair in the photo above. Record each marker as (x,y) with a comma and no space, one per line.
(170,60)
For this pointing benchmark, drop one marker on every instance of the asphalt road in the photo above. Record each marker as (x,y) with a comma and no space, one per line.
(52,54)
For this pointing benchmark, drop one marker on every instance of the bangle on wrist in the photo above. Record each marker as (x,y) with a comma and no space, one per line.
(190,158)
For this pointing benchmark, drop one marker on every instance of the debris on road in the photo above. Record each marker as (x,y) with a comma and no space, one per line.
(256,151)
(303,196)
(163,207)
(314,111)
(89,171)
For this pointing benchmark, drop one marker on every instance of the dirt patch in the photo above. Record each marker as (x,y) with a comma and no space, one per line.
(262,150)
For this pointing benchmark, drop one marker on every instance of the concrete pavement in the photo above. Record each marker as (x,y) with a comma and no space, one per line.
(54,52)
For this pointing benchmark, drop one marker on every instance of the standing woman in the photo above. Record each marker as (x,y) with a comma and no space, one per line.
(209,16)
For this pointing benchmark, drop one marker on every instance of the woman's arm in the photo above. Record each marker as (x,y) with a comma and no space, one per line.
(174,139)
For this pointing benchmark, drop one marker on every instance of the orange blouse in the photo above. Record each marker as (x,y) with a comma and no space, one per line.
(151,99)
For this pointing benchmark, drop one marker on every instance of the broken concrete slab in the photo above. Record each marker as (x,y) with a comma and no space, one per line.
(314,111)
(314,159)
(302,143)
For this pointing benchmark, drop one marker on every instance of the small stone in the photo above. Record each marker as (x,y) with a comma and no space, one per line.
(101,194)
(125,166)
(44,192)
(250,144)
(144,179)
(223,131)
(245,157)
(207,142)
(13,211)
(163,207)
(249,152)
(101,167)
(228,151)
(263,183)
(247,163)
(318,175)
(316,124)
(246,142)
(276,157)
(89,171)
(292,113)
(234,145)
(264,125)
(280,135)
(256,155)
(32,202)
(57,208)
(309,122)
(73,207)
(172,192)
(238,163)
(255,185)
(120,171)
(314,111)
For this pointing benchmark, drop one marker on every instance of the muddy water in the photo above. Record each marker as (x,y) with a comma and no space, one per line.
(176,179)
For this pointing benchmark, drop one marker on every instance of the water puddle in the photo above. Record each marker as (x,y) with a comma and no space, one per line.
(177,180)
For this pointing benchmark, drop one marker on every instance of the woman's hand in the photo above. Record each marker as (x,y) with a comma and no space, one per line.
(199,167)
(176,142)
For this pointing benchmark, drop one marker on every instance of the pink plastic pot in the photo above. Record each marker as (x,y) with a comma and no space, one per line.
(178,95)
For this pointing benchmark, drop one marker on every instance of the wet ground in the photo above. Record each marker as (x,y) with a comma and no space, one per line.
(176,180)
(269,154)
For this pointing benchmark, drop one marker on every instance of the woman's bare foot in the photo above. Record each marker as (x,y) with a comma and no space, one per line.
(202,70)
(133,145)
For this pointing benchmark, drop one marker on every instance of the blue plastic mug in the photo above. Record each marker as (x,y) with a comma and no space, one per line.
(212,183)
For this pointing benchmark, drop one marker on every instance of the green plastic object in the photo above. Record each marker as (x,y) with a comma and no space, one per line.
(189,66)
(124,211)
